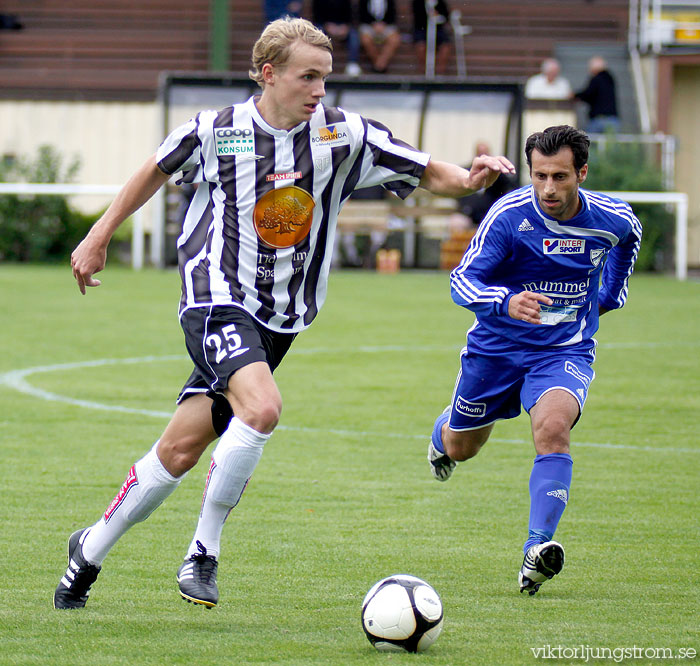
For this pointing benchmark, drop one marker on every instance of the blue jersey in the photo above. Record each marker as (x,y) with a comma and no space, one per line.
(578,263)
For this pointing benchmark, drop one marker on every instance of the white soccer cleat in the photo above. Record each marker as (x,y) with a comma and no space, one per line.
(441,465)
(541,562)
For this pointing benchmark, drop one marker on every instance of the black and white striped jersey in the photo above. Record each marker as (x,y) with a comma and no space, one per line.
(260,230)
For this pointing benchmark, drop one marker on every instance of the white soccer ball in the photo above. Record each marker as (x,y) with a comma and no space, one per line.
(402,614)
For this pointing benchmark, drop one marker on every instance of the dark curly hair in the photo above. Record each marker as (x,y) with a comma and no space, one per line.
(551,140)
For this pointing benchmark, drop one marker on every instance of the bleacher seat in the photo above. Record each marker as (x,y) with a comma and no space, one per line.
(98,50)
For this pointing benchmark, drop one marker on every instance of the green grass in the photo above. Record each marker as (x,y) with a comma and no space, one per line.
(343,496)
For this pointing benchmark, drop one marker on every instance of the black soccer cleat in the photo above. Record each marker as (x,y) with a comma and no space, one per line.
(542,562)
(197,578)
(74,588)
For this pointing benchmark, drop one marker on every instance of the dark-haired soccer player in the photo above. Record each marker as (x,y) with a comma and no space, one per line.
(546,262)
(254,257)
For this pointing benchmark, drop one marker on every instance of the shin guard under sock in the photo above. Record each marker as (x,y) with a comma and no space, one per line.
(147,485)
(550,481)
(232,464)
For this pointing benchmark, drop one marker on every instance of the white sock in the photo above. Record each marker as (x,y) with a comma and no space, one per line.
(232,464)
(147,484)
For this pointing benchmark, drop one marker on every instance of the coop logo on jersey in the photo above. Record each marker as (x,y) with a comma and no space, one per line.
(563,246)
(470,408)
(131,481)
(234,141)
(330,135)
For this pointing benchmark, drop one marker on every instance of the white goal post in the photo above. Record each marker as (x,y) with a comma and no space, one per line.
(677,199)
(680,202)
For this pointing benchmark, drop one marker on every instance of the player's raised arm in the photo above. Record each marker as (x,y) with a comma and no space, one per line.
(91,254)
(449,180)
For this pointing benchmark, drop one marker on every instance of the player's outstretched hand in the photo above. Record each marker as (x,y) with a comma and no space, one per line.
(526,306)
(486,168)
(87,259)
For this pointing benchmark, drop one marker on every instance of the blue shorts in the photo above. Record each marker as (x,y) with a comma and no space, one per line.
(493,383)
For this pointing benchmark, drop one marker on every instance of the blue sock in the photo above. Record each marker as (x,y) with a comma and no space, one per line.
(437,431)
(549,494)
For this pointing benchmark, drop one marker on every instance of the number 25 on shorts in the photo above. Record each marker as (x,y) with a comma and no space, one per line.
(229,345)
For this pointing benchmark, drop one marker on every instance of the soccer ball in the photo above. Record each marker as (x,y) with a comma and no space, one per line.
(402,614)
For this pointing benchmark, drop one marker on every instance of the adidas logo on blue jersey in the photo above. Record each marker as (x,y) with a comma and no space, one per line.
(525,225)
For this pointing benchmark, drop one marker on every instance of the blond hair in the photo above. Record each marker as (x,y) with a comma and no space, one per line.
(275,42)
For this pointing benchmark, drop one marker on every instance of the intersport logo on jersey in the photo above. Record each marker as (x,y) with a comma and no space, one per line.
(563,246)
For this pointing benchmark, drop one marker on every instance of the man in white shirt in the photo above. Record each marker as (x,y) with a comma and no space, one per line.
(548,84)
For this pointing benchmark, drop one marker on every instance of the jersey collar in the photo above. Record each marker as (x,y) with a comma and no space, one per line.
(260,121)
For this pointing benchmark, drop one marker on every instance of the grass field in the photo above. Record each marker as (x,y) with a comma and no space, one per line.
(343,496)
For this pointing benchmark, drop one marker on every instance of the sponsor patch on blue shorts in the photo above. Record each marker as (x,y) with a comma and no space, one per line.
(496,384)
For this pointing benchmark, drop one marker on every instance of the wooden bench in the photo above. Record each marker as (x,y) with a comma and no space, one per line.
(364,216)
(508,41)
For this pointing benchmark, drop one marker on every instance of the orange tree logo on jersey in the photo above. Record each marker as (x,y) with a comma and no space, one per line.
(283,216)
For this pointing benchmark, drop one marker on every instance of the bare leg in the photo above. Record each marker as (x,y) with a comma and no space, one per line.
(464,444)
(552,419)
(187,435)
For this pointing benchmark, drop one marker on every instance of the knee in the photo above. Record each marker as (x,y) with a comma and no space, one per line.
(262,416)
(551,435)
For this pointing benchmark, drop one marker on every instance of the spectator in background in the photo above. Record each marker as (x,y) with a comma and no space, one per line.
(549,83)
(10,22)
(336,19)
(379,34)
(275,9)
(599,94)
(475,206)
(440,12)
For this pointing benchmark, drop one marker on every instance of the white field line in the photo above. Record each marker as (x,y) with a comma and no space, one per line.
(17,380)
